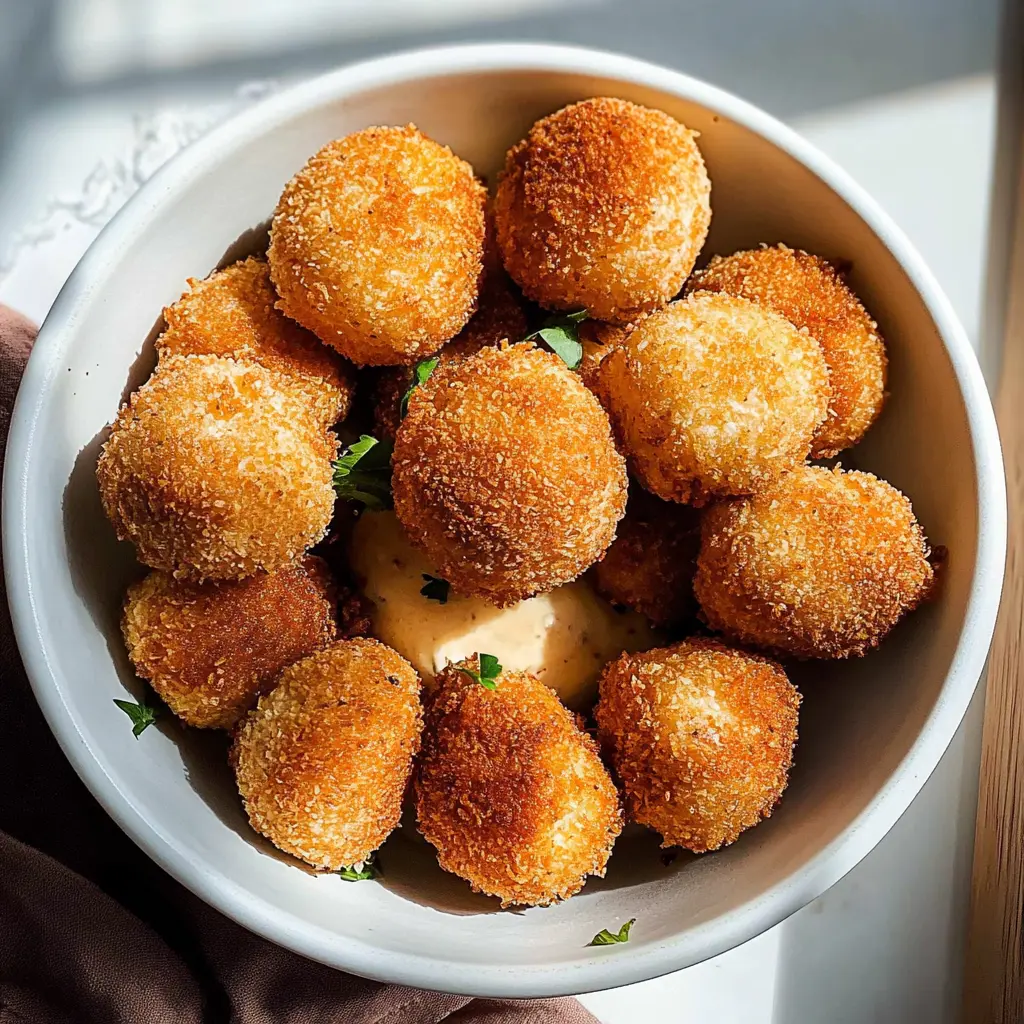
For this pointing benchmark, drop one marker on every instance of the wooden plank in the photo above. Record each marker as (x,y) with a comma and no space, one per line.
(994,978)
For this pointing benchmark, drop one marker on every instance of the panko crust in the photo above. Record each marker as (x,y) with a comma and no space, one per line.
(511,792)
(651,562)
(232,313)
(604,205)
(714,396)
(812,294)
(599,340)
(210,649)
(506,475)
(216,469)
(822,565)
(499,317)
(376,245)
(701,736)
(323,762)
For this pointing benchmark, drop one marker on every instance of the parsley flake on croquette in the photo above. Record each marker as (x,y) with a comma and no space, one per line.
(561,335)
(362,871)
(363,473)
(487,677)
(420,375)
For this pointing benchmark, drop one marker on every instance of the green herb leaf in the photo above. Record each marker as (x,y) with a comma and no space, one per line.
(142,715)
(370,869)
(487,676)
(435,588)
(561,334)
(363,473)
(420,375)
(607,938)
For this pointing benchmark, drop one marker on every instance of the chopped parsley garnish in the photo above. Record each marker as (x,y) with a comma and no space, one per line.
(142,715)
(420,375)
(363,472)
(435,588)
(607,938)
(561,334)
(361,872)
(490,669)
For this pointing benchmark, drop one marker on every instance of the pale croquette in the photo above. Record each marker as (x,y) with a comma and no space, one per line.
(821,565)
(701,737)
(210,649)
(511,792)
(232,313)
(809,292)
(604,205)
(216,469)
(376,245)
(714,396)
(506,475)
(651,562)
(499,317)
(323,762)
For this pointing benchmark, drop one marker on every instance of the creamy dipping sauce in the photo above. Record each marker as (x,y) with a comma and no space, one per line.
(564,637)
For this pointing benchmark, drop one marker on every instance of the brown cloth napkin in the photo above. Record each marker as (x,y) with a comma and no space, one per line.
(92,931)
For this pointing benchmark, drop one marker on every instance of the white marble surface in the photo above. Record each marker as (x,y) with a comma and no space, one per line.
(885,944)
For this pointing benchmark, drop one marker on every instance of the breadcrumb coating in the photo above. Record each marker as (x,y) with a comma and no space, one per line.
(599,340)
(714,396)
(651,562)
(323,762)
(499,317)
(210,649)
(505,474)
(217,468)
(511,792)
(376,245)
(231,313)
(604,205)
(809,292)
(701,736)
(821,565)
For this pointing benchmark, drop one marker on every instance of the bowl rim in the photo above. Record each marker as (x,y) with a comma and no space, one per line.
(629,964)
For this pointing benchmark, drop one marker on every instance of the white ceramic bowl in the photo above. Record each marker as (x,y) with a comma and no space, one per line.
(872,730)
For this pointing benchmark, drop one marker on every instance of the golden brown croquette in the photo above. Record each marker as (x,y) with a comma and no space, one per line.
(605,206)
(810,293)
(511,792)
(505,474)
(231,313)
(323,762)
(701,737)
(216,469)
(499,318)
(210,649)
(376,245)
(598,340)
(714,396)
(821,565)
(651,562)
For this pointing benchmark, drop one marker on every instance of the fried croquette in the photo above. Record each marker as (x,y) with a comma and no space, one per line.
(505,474)
(217,468)
(651,562)
(605,206)
(598,340)
(210,649)
(511,792)
(323,762)
(701,737)
(821,565)
(810,293)
(714,396)
(231,313)
(376,245)
(499,317)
